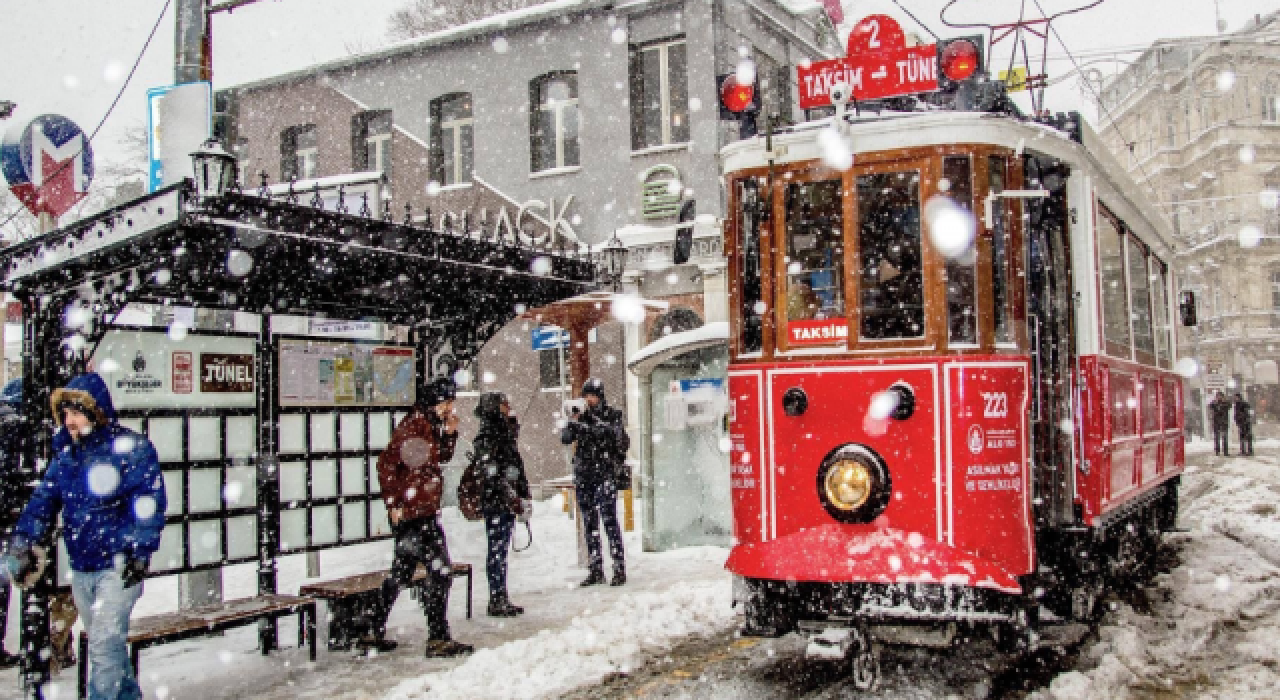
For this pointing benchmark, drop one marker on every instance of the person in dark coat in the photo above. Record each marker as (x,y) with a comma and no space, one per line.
(12,493)
(105,482)
(506,496)
(601,446)
(1220,414)
(410,471)
(1244,424)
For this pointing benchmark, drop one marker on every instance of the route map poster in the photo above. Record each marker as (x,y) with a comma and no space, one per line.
(327,373)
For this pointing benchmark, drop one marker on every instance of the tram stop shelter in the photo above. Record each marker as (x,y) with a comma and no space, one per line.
(205,245)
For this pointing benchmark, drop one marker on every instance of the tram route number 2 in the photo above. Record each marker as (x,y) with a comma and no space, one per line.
(995,404)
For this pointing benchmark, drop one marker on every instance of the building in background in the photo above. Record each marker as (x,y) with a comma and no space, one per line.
(1197,123)
(568,124)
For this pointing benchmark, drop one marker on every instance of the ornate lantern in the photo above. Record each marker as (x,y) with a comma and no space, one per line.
(613,260)
(214,168)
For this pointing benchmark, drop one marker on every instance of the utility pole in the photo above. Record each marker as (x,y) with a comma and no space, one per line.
(193,38)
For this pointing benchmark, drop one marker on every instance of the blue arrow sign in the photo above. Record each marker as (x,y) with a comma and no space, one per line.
(549,337)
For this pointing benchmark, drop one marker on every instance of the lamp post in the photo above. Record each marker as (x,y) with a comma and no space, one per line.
(214,168)
(613,259)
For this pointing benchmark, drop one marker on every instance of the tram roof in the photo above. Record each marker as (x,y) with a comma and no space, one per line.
(889,130)
(256,253)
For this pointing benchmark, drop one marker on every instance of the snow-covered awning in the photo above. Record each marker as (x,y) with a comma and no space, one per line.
(650,356)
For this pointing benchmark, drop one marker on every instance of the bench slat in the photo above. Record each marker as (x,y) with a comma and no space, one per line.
(158,626)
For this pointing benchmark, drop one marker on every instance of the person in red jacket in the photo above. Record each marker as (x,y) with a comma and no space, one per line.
(410,472)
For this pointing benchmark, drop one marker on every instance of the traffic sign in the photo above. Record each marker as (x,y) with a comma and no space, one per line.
(48,163)
(549,338)
(879,64)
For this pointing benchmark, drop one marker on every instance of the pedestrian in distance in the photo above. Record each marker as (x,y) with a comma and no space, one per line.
(105,482)
(506,497)
(1220,414)
(411,474)
(1243,414)
(600,452)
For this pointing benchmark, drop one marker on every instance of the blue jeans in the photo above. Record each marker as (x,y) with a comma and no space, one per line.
(105,604)
(497,528)
(598,502)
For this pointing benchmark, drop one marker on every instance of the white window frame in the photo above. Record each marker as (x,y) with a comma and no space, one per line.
(379,147)
(1270,101)
(664,84)
(306,162)
(451,133)
(556,108)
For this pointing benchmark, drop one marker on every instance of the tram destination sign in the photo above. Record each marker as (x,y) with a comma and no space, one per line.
(879,64)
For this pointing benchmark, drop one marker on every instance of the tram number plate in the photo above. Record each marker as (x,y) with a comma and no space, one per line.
(995,404)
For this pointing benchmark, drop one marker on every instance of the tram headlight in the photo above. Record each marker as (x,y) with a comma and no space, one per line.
(848,484)
(853,484)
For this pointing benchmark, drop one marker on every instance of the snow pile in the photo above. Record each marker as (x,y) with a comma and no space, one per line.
(1213,627)
(589,649)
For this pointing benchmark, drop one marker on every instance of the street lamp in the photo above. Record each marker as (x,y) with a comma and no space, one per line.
(215,169)
(613,259)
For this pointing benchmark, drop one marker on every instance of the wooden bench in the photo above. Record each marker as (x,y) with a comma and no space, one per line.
(346,597)
(205,620)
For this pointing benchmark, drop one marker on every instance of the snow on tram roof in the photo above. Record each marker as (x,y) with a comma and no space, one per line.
(889,130)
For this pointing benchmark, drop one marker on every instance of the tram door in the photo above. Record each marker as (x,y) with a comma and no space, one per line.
(1051,333)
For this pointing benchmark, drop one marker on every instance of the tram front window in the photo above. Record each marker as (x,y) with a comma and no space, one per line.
(892,291)
(815,261)
(753,211)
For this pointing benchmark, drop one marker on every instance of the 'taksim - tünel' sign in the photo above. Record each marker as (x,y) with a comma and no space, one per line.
(879,64)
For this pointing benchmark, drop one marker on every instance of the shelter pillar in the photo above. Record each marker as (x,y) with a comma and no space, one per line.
(268,475)
(36,360)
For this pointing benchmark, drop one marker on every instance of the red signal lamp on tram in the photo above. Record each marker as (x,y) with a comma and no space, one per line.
(736,96)
(959,60)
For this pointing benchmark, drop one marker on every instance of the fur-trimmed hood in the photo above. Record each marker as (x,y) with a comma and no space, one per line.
(88,392)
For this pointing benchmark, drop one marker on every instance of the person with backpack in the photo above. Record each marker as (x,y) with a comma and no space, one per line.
(504,496)
(410,471)
(600,453)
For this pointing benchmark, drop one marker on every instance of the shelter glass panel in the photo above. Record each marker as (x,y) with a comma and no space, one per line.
(293,433)
(815,257)
(1140,297)
(242,537)
(354,526)
(166,435)
(293,529)
(379,430)
(962,315)
(206,542)
(174,490)
(892,292)
(204,490)
(293,481)
(351,427)
(352,476)
(324,437)
(172,550)
(241,489)
(1115,293)
(378,522)
(242,436)
(324,525)
(204,437)
(324,479)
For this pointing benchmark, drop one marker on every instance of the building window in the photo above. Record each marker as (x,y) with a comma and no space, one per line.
(659,94)
(298,151)
(371,142)
(552,372)
(1275,299)
(1271,99)
(452,139)
(553,117)
(1170,130)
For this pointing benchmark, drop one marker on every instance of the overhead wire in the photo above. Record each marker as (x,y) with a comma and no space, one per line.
(120,93)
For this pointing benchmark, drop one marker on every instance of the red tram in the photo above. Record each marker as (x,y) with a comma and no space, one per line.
(937,431)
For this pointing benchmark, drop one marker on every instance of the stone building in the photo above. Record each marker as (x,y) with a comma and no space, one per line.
(1197,122)
(571,122)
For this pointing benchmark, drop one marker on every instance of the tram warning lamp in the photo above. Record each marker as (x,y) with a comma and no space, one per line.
(740,102)
(960,61)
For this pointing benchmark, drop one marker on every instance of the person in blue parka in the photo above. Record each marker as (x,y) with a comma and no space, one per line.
(106,482)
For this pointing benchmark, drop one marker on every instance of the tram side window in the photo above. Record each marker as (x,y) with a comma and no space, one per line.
(1000,244)
(962,317)
(1140,298)
(1150,406)
(1160,302)
(892,292)
(753,210)
(1123,406)
(815,252)
(1115,293)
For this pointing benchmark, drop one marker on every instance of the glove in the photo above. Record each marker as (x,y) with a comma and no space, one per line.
(18,565)
(135,569)
(526,510)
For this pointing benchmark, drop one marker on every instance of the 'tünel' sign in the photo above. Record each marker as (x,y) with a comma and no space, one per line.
(879,64)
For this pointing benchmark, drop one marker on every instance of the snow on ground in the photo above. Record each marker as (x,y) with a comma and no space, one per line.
(566,638)
(1213,627)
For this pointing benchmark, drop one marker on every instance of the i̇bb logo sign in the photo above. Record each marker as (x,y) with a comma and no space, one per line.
(48,164)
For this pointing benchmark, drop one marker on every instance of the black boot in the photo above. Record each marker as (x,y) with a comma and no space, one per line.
(8,660)
(500,606)
(619,577)
(596,578)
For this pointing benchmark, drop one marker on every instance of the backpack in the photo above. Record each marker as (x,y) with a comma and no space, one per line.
(471,490)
